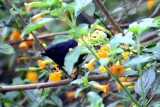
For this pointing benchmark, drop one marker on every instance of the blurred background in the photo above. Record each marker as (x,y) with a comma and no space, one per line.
(13,68)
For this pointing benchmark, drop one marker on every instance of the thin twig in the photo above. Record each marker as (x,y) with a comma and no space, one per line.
(126,10)
(153,40)
(49,84)
(155,11)
(23,21)
(109,17)
(150,100)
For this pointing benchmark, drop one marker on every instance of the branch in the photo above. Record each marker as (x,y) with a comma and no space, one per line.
(109,17)
(153,40)
(49,84)
(155,11)
(23,21)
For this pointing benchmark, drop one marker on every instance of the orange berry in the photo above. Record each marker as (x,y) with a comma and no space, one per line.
(23,46)
(30,42)
(15,35)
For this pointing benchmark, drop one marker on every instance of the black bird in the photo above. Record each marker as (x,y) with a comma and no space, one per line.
(57,52)
(85,18)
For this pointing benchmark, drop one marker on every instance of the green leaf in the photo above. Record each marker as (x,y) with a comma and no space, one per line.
(34,25)
(128,38)
(61,38)
(50,102)
(138,60)
(31,95)
(55,12)
(3,34)
(154,103)
(0,104)
(80,5)
(114,103)
(129,72)
(86,51)
(77,81)
(6,48)
(148,78)
(155,50)
(69,8)
(10,102)
(82,29)
(144,25)
(90,10)
(104,61)
(119,50)
(57,100)
(114,43)
(117,39)
(40,99)
(156,86)
(133,27)
(157,18)
(83,80)
(38,4)
(11,95)
(79,90)
(71,58)
(52,2)
(95,100)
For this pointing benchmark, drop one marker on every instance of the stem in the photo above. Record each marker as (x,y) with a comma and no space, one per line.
(114,77)
(93,52)
(49,84)
(118,95)
(24,22)
(125,90)
(35,37)
(150,100)
(140,70)
(126,10)
(73,26)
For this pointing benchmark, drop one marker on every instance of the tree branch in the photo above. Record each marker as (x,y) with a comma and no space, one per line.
(155,11)
(109,17)
(23,21)
(49,84)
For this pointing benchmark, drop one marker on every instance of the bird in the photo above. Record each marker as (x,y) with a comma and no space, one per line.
(85,18)
(57,52)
